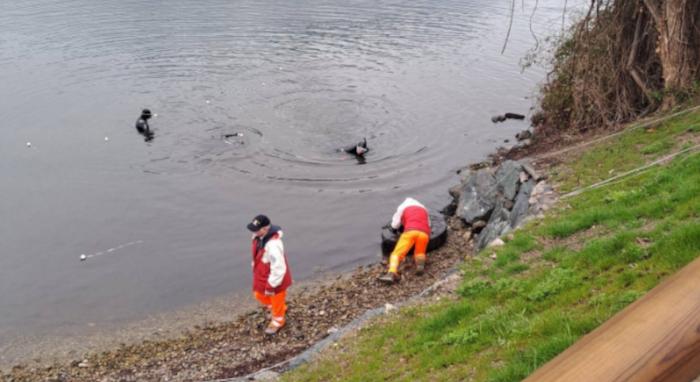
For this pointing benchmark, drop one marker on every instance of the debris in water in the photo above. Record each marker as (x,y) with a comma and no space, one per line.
(29,144)
(83,257)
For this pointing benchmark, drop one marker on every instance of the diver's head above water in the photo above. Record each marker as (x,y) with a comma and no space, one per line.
(146,114)
(358,149)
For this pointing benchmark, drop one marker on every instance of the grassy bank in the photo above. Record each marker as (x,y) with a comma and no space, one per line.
(555,280)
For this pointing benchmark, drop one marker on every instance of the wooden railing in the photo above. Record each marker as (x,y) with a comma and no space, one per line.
(657,338)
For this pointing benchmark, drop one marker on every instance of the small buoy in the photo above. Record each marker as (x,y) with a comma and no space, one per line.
(106,139)
(155,115)
(207,101)
(83,257)
(29,144)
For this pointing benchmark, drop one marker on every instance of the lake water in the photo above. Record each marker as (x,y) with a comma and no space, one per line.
(299,79)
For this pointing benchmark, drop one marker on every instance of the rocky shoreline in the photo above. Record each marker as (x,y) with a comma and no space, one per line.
(489,202)
(240,347)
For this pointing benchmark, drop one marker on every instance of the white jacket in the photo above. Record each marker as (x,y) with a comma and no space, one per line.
(408,202)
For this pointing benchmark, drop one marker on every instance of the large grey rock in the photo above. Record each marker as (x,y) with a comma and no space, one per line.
(478,196)
(508,178)
(499,224)
(523,135)
(531,171)
(522,203)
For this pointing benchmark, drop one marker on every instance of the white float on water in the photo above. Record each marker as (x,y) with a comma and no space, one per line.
(83,257)
(106,139)
(29,144)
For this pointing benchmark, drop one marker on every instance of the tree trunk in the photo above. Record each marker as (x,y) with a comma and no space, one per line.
(677,45)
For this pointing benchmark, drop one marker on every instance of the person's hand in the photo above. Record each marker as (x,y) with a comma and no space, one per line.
(269,292)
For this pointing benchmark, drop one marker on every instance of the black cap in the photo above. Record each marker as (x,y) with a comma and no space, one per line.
(258,222)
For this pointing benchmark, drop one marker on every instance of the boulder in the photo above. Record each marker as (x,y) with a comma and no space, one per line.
(522,203)
(496,243)
(498,224)
(478,196)
(523,135)
(531,171)
(508,178)
(479,224)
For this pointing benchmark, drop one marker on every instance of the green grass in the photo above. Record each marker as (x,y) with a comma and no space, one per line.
(556,280)
(626,152)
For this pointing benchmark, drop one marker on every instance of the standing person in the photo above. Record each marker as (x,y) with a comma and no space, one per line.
(414,218)
(271,274)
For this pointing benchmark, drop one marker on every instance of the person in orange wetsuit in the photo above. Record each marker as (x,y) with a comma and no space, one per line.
(414,218)
(271,274)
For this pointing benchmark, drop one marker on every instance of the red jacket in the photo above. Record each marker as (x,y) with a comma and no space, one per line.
(412,215)
(271,271)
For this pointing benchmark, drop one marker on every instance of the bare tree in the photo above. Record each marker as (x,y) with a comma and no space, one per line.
(623,59)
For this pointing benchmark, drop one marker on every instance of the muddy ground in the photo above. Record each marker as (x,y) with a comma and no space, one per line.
(239,347)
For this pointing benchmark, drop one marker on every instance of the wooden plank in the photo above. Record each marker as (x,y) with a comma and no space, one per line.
(657,338)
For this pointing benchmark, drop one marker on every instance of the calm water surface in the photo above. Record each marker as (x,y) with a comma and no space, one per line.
(299,79)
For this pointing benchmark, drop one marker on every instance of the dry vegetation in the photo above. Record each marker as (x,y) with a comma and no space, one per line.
(623,60)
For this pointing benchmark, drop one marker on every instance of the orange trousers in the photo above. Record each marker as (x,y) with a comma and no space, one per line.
(406,241)
(276,304)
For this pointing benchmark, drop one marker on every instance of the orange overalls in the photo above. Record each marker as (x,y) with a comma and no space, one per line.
(416,223)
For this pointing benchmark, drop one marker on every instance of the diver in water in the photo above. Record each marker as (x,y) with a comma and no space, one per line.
(358,150)
(142,125)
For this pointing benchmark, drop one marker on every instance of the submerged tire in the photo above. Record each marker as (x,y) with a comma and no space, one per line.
(438,236)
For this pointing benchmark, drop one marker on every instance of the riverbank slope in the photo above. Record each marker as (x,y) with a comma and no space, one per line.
(553,281)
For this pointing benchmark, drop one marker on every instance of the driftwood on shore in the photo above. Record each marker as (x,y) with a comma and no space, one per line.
(656,338)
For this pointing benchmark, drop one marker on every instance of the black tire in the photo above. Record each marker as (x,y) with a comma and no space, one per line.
(438,235)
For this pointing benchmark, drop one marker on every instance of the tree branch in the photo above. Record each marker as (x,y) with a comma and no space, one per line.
(655,14)
(532,32)
(510,26)
(631,68)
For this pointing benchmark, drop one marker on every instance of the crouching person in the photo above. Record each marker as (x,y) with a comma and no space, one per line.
(414,218)
(271,274)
